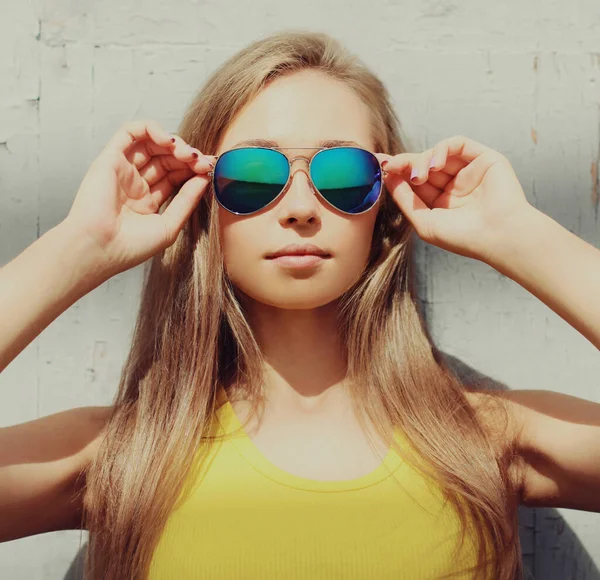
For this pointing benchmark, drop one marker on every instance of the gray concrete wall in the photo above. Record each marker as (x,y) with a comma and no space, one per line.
(521,77)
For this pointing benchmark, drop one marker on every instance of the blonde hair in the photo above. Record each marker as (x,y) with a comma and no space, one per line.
(191,335)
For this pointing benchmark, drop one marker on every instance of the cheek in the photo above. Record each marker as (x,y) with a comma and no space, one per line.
(353,249)
(242,246)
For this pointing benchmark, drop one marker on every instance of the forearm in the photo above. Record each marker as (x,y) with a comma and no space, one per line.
(558,267)
(42,282)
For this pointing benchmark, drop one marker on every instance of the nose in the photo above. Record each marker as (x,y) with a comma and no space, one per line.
(299,203)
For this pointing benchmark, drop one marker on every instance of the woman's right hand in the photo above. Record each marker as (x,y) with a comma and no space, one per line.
(118,201)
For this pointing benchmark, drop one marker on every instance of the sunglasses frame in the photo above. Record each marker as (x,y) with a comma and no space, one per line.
(383,173)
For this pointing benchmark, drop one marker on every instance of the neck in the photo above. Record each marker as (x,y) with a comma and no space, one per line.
(304,357)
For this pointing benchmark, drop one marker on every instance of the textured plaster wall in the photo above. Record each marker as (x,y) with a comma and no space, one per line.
(521,77)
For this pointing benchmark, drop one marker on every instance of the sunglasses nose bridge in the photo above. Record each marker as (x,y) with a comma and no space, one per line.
(299,157)
(306,170)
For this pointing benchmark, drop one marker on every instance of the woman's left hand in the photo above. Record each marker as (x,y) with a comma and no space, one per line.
(466,203)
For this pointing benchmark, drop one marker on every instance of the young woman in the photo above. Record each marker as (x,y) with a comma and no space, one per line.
(283,412)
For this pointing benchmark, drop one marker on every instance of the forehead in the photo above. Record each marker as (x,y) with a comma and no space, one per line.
(302,109)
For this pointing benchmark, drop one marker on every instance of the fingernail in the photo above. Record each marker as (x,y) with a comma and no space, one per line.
(172,139)
(210,161)
(432,162)
(384,163)
(413,173)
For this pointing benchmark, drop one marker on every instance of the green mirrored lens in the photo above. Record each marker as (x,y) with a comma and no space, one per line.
(349,178)
(248,179)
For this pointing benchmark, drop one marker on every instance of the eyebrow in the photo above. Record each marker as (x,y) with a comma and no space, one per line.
(271,143)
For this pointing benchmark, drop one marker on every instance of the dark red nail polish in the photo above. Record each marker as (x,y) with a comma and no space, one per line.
(172,139)
(194,154)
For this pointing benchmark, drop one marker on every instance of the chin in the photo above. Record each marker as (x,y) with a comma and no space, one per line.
(293,295)
(293,303)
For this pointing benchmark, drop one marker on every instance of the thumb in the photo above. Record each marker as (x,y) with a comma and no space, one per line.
(411,205)
(181,207)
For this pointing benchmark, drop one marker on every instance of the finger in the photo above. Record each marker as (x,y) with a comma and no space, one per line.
(181,207)
(427,192)
(411,205)
(400,163)
(459,148)
(141,152)
(472,175)
(204,163)
(184,151)
(451,167)
(434,160)
(439,158)
(197,160)
(442,160)
(132,185)
(164,188)
(418,164)
(439,179)
(420,167)
(465,148)
(430,164)
(134,131)
(442,177)
(159,166)
(403,164)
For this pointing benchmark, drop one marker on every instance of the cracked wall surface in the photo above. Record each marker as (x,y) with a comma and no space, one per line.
(521,77)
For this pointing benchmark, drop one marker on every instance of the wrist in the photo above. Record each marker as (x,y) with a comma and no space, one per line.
(80,254)
(518,238)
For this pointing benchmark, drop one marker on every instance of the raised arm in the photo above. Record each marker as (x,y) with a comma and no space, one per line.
(44,281)
(114,224)
(465,197)
(556,266)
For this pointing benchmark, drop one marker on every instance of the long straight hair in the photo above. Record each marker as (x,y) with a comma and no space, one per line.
(192,335)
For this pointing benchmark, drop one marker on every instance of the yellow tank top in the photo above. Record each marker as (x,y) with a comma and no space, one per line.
(248,519)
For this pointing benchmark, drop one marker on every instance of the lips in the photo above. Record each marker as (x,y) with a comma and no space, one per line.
(299,250)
